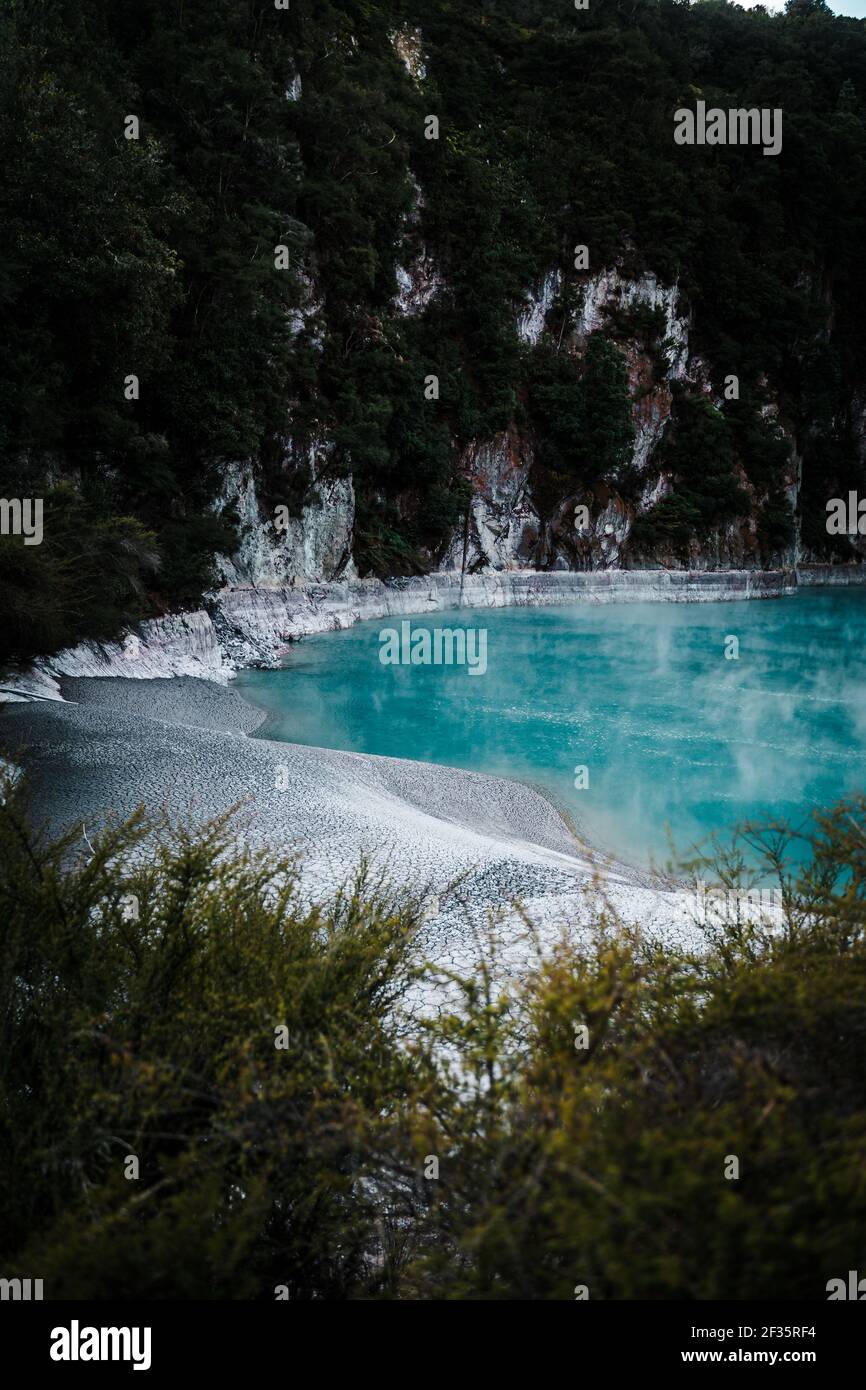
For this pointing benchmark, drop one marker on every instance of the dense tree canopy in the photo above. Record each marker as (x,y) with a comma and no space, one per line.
(302,128)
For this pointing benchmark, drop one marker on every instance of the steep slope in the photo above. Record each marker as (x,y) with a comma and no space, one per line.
(377,288)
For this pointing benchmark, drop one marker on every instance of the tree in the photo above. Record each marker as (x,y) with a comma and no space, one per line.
(607,432)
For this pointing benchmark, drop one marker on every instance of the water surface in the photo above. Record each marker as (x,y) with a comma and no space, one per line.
(672,732)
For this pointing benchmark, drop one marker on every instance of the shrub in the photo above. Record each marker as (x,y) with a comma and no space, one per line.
(152,1033)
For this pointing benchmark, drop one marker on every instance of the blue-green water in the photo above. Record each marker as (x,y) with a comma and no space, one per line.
(672,733)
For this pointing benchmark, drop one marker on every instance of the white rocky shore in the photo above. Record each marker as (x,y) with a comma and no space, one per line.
(470,845)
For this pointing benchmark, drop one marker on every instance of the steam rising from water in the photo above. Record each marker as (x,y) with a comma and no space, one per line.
(641,694)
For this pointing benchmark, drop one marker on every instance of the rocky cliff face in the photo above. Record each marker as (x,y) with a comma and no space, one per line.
(506,529)
(278,548)
(510,524)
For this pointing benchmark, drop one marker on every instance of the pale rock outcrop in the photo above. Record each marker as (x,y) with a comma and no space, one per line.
(416,285)
(654,490)
(532,320)
(312,545)
(418,279)
(248,626)
(571,542)
(180,644)
(408,45)
(504,528)
(611,528)
(610,290)
(842,576)
(610,297)
(306,317)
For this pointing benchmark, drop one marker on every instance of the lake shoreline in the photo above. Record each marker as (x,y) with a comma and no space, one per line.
(102,739)
(247,628)
(109,747)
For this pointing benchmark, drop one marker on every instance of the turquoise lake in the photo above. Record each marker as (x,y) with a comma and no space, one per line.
(672,732)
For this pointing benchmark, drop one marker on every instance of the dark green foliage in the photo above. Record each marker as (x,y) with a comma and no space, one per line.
(381,546)
(607,429)
(83,581)
(708,456)
(605,1165)
(762,449)
(668,527)
(581,420)
(697,451)
(151,257)
(149,1030)
(556,408)
(156,257)
(775,527)
(832,463)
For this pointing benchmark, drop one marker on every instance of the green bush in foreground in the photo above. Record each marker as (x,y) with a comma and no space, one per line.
(139,999)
